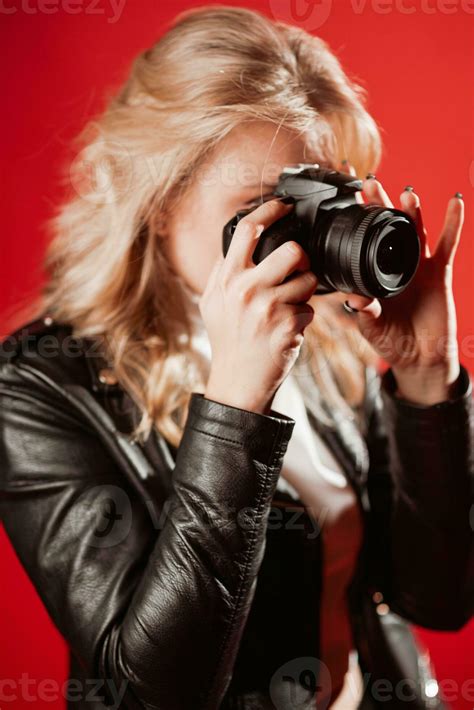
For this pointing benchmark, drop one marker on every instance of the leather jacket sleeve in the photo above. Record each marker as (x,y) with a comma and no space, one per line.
(420,484)
(162,606)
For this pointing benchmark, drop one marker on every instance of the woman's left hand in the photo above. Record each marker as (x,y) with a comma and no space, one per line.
(415,332)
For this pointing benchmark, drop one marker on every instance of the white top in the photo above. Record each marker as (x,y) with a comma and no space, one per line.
(311,473)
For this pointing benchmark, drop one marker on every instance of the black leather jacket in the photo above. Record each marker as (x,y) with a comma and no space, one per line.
(182,579)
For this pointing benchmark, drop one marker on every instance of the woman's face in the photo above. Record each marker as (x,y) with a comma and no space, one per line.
(244,169)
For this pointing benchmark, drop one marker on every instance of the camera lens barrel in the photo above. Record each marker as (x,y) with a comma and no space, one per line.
(365,249)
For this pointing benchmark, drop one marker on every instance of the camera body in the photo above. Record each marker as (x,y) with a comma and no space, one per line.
(358,248)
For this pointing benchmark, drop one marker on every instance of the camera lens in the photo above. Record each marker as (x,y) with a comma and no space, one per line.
(394,251)
(365,249)
(390,255)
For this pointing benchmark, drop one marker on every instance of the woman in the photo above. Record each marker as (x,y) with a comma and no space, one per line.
(184,571)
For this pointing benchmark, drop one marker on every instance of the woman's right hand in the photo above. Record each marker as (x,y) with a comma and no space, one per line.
(256,323)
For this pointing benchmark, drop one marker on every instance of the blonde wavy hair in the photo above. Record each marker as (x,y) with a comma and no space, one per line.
(214,67)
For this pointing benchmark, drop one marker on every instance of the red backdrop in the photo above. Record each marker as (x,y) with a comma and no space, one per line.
(414,57)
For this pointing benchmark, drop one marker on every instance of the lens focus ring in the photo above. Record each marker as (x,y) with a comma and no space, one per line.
(359,234)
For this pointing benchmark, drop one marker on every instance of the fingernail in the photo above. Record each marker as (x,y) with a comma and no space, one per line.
(291,246)
(458,194)
(408,188)
(370,176)
(349,308)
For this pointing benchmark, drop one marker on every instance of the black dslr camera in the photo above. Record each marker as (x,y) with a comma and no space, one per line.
(354,248)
